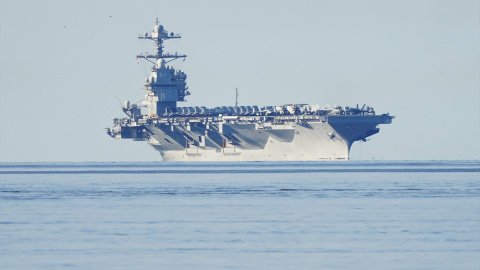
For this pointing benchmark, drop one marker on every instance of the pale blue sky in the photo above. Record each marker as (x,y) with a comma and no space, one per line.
(63,63)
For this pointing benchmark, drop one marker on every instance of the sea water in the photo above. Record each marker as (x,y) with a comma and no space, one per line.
(255,215)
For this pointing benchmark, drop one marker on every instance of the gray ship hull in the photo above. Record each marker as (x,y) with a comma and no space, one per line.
(329,139)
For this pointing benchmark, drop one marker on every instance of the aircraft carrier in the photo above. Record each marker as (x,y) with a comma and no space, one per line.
(289,132)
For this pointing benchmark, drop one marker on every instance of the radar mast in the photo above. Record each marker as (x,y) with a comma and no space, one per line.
(165,86)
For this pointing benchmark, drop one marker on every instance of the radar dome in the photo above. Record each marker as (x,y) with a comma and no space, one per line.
(160,63)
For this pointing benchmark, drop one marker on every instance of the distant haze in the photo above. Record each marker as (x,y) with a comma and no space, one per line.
(64,63)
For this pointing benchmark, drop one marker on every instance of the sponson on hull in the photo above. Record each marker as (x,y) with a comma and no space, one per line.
(235,133)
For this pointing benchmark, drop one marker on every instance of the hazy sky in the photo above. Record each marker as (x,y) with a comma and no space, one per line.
(64,63)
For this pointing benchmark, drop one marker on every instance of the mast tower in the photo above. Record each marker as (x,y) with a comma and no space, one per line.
(165,86)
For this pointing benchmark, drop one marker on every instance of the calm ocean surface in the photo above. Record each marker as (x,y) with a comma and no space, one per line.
(258,215)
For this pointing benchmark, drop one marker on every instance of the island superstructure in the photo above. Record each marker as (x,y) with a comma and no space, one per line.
(235,133)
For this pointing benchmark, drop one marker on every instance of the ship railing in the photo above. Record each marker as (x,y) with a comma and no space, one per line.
(194,116)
